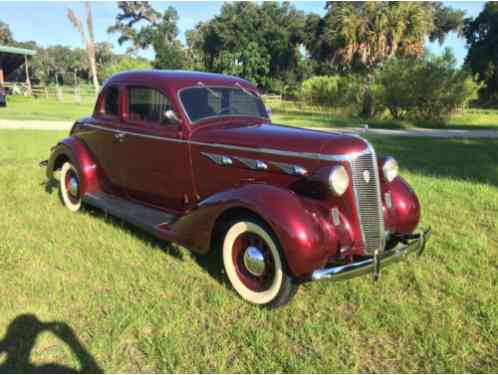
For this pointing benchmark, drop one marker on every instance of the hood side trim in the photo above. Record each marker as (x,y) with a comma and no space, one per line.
(270,151)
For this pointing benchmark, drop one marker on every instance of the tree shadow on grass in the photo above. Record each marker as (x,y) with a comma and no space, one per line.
(21,337)
(458,159)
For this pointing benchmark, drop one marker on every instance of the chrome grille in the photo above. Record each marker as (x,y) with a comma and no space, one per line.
(368,201)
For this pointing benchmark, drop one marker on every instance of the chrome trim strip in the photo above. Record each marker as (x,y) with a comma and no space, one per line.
(253,163)
(304,155)
(222,160)
(292,169)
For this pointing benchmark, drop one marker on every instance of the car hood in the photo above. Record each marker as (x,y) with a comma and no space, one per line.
(280,137)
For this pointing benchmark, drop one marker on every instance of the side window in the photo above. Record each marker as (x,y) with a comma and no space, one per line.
(111,101)
(240,102)
(147,105)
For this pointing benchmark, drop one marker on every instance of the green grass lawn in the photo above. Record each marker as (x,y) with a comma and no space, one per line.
(469,119)
(26,108)
(23,108)
(136,304)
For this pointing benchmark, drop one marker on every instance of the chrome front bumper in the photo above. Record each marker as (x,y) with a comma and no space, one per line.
(413,243)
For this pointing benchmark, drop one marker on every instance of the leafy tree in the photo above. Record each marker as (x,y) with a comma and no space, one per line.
(250,63)
(482,58)
(104,54)
(244,33)
(87,38)
(5,34)
(157,31)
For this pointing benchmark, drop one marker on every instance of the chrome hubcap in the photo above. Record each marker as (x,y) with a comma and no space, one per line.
(73,186)
(254,261)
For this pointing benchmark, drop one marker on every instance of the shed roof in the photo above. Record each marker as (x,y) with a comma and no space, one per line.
(17,51)
(12,57)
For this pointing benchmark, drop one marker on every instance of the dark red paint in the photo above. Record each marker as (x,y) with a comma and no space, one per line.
(169,172)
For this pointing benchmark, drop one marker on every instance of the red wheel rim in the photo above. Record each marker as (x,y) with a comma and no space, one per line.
(70,178)
(254,283)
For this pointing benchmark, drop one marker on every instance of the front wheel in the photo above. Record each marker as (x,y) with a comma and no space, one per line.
(254,264)
(70,187)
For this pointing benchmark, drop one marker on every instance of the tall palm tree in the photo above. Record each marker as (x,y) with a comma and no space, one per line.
(358,36)
(88,40)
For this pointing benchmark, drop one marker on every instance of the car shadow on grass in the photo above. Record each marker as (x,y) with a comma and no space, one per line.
(21,337)
(210,262)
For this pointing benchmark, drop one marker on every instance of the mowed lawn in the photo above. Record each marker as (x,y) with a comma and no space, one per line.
(135,304)
(288,113)
(468,119)
(41,109)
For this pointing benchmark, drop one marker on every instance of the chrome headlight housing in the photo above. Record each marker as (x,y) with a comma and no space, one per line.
(338,180)
(390,168)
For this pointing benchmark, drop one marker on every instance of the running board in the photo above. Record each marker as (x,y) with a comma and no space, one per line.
(144,217)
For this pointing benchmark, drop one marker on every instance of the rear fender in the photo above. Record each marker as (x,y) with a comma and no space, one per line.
(292,220)
(74,150)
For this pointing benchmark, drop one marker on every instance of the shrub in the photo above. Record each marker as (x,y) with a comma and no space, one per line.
(430,89)
(332,91)
(124,64)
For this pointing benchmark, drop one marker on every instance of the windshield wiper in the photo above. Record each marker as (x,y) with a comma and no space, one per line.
(211,91)
(248,92)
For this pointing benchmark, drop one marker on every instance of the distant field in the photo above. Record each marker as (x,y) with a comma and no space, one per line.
(26,108)
(22,108)
(290,113)
(139,305)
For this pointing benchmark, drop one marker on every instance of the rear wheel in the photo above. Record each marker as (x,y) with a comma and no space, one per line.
(69,187)
(254,264)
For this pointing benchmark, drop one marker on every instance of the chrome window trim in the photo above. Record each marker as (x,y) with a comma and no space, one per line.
(304,155)
(215,116)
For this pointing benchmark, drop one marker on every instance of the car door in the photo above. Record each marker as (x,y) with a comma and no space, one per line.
(103,138)
(154,158)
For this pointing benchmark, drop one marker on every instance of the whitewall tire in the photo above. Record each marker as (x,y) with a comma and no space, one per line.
(69,187)
(254,265)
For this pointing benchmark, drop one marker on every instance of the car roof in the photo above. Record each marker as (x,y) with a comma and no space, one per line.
(177,78)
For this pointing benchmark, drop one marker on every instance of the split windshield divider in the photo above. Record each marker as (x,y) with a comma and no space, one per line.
(211,91)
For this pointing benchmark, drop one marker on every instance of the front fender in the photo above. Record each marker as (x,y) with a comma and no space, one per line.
(74,150)
(402,214)
(290,217)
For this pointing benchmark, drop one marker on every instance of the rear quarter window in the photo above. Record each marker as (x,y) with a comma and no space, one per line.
(111,101)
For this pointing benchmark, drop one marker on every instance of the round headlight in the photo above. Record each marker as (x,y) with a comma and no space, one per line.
(390,169)
(338,180)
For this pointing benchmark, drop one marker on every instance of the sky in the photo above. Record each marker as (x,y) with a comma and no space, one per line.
(46,22)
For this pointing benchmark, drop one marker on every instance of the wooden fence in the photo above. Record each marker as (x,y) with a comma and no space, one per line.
(60,93)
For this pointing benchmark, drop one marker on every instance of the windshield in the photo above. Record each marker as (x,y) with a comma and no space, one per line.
(211,101)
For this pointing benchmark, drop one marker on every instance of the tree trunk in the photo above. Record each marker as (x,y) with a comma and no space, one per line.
(93,66)
(28,81)
(368,109)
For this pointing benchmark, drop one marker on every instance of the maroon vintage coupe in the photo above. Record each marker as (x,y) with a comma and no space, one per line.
(193,158)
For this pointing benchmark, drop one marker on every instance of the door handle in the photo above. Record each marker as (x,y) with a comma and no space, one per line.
(119,137)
